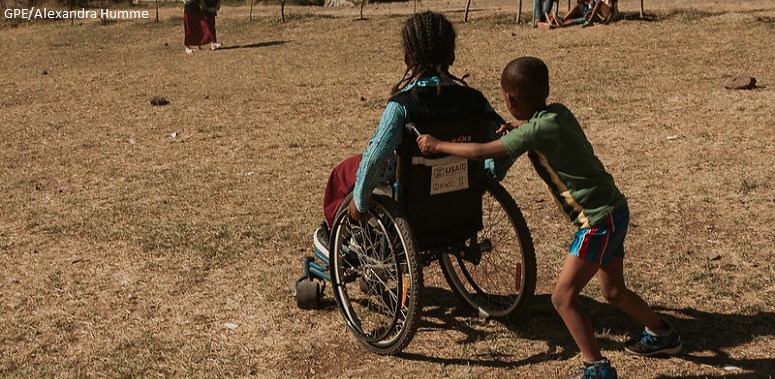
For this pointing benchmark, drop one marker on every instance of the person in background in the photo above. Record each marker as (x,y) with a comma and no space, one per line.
(542,11)
(199,24)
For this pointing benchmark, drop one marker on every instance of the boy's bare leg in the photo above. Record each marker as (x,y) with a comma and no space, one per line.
(575,274)
(611,277)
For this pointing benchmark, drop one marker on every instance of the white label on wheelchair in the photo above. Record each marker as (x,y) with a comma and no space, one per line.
(448,174)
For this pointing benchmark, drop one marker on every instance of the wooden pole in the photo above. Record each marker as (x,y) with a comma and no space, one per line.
(641,9)
(468,5)
(250,18)
(157,11)
(282,10)
(519,14)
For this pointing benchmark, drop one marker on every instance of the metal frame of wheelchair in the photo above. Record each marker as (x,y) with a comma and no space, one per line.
(375,269)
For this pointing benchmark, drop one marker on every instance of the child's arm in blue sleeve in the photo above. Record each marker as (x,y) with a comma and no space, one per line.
(381,147)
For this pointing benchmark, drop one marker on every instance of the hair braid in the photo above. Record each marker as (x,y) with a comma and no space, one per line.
(429,44)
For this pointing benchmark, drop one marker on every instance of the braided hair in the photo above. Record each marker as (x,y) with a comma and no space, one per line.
(429,45)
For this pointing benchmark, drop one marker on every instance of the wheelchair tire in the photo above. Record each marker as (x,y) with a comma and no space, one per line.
(376,276)
(504,280)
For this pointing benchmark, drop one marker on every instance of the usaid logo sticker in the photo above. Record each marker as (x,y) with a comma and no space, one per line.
(450,176)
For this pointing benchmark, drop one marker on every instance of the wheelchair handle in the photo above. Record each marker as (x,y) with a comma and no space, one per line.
(410,126)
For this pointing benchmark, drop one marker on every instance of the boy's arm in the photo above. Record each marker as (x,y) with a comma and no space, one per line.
(473,151)
(509,126)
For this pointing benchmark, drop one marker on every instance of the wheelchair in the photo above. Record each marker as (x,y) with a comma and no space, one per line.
(455,214)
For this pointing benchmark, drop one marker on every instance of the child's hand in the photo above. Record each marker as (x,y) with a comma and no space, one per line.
(509,126)
(354,214)
(428,144)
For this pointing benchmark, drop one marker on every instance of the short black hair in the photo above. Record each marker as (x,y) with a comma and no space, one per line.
(527,78)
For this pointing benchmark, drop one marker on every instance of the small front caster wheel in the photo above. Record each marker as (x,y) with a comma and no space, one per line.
(308,294)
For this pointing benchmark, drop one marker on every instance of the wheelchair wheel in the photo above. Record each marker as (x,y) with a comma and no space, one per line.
(308,293)
(375,276)
(504,279)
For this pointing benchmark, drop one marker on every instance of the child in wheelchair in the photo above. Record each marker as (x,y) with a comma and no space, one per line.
(426,92)
(443,209)
(586,193)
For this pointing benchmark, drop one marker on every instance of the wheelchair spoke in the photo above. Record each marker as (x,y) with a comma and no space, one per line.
(374,266)
(499,282)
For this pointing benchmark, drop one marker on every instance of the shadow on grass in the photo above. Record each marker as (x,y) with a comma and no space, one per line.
(705,334)
(443,311)
(253,45)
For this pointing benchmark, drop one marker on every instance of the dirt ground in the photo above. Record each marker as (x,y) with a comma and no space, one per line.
(141,242)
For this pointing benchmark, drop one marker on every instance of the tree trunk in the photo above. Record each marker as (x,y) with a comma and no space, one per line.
(519,13)
(468,5)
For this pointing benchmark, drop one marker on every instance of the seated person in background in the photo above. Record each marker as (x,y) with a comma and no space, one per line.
(542,12)
(583,13)
(578,14)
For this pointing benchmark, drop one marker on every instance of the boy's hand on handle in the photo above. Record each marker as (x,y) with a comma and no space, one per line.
(509,126)
(428,144)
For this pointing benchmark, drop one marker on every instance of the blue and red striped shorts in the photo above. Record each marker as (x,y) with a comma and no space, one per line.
(605,239)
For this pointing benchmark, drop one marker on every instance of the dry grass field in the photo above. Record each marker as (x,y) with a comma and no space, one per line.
(162,242)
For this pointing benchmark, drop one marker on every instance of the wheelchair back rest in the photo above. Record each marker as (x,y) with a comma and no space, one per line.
(442,194)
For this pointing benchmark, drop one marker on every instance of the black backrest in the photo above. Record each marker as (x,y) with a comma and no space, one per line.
(441,195)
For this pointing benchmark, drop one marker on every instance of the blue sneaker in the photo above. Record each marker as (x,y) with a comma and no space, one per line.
(596,370)
(652,344)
